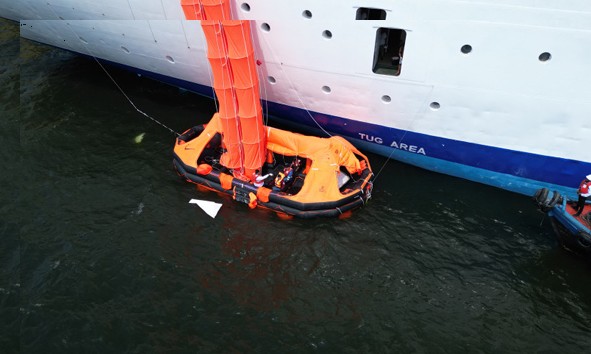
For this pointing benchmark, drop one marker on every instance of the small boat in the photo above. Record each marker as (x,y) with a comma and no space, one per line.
(573,232)
(292,174)
(306,176)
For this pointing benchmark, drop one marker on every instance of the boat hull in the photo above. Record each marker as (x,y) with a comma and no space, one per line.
(579,243)
(573,232)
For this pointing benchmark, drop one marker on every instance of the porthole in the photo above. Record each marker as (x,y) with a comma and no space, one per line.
(327,34)
(271,80)
(386,99)
(326,89)
(545,57)
(265,27)
(307,14)
(127,50)
(245,7)
(170,59)
(466,48)
(435,106)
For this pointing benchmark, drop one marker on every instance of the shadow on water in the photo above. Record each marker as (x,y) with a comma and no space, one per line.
(110,257)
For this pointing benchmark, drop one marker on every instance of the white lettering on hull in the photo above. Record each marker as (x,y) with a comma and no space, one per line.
(409,148)
(400,146)
(371,138)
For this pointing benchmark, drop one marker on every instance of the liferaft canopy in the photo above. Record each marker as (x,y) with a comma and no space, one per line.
(327,156)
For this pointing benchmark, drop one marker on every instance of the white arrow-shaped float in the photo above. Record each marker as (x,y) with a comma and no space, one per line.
(211,208)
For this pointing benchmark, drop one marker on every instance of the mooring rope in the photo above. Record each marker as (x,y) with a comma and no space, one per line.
(91,53)
(414,118)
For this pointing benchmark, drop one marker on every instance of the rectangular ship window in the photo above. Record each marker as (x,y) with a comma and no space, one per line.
(389,50)
(366,13)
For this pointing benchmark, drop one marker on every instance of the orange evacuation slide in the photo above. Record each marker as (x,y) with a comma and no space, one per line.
(235,81)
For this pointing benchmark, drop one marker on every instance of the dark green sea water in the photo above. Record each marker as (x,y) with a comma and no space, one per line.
(100,251)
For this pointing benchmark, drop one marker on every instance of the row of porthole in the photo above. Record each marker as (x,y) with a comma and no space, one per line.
(466,49)
(127,51)
(326,89)
(246,8)
(307,14)
(327,34)
(267,28)
(385,98)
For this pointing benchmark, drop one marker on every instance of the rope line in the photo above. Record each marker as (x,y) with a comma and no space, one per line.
(295,90)
(404,134)
(91,53)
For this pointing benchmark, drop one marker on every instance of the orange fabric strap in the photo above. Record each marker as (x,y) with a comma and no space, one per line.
(263,194)
(226,181)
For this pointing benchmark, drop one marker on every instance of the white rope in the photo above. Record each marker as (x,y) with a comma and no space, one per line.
(421,107)
(91,53)
(296,91)
(163,10)
(130,10)
(263,93)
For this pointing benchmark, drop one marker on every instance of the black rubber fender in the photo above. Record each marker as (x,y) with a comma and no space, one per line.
(541,195)
(550,204)
(536,195)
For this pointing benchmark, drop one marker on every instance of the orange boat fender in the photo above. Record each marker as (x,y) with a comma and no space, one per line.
(263,194)
(204,169)
(226,181)
(253,200)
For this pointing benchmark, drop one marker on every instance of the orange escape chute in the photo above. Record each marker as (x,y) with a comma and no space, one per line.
(206,9)
(235,81)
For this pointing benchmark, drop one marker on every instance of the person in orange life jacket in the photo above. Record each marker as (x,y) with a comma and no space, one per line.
(259,180)
(584,192)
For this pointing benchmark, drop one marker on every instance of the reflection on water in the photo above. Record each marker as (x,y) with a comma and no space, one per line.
(103,252)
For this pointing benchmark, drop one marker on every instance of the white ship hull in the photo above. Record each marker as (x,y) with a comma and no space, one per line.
(492,91)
